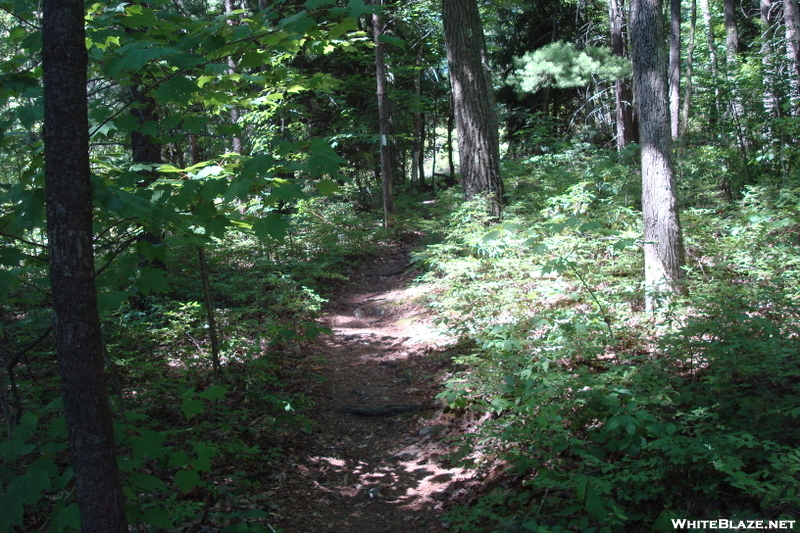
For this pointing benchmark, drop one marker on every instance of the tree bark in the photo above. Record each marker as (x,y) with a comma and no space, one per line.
(622,89)
(791,19)
(383,120)
(79,345)
(675,66)
(687,93)
(417,158)
(713,62)
(473,101)
(236,142)
(663,245)
(770,100)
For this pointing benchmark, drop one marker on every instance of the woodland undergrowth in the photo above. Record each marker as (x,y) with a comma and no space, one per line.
(196,449)
(602,417)
(605,417)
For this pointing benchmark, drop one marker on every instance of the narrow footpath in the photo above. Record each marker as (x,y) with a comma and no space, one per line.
(375,460)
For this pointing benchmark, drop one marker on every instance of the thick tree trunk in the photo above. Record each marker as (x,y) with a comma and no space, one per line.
(687,94)
(622,89)
(473,100)
(731,30)
(674,66)
(383,119)
(663,246)
(79,345)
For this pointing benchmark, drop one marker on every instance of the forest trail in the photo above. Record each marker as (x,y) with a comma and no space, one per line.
(373,462)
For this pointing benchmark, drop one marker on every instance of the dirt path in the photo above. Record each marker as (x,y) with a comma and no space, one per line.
(373,462)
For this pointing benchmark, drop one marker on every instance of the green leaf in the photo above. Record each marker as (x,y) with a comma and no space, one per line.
(69,518)
(28,487)
(214,392)
(323,159)
(298,23)
(327,187)
(316,4)
(152,280)
(273,226)
(148,443)
(178,89)
(157,517)
(204,455)
(192,407)
(179,458)
(400,43)
(146,482)
(186,480)
(259,165)
(11,511)
(594,505)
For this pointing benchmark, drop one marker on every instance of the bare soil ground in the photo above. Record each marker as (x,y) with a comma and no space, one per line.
(376,458)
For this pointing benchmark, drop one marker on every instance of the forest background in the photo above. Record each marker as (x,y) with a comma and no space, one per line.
(240,164)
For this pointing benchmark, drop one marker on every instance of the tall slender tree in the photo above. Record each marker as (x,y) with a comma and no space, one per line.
(674,66)
(791,19)
(473,102)
(383,118)
(663,242)
(622,88)
(68,193)
(689,83)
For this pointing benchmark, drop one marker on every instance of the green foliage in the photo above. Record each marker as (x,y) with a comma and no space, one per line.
(600,418)
(563,65)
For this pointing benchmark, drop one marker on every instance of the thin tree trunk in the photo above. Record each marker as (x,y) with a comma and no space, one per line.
(451,164)
(208,300)
(236,142)
(687,95)
(713,63)
(732,69)
(663,245)
(205,278)
(383,120)
(770,100)
(417,170)
(675,67)
(474,104)
(79,347)
(791,19)
(622,89)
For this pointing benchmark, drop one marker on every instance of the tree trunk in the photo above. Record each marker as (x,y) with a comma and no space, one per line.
(383,120)
(732,64)
(622,89)
(663,246)
(473,101)
(79,345)
(236,142)
(770,100)
(687,94)
(713,63)
(731,30)
(417,169)
(791,20)
(451,164)
(675,66)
